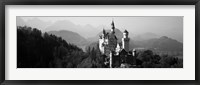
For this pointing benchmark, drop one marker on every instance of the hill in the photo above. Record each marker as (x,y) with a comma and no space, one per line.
(34,23)
(41,50)
(145,36)
(159,44)
(84,30)
(163,43)
(71,37)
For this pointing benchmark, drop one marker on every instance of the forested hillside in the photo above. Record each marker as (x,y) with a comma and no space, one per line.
(41,50)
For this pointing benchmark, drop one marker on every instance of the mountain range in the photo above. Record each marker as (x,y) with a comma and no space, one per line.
(89,30)
(162,43)
(79,37)
(34,23)
(71,37)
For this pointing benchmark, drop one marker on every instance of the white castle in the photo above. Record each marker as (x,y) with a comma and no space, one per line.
(116,52)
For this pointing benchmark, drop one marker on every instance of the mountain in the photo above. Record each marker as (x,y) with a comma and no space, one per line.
(37,23)
(162,44)
(70,37)
(20,22)
(85,30)
(159,44)
(145,36)
(94,45)
(34,23)
(61,25)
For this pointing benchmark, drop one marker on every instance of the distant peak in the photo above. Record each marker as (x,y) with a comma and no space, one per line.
(164,37)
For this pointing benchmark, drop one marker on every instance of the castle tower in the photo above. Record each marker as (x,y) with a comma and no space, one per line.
(125,41)
(113,27)
(112,39)
(101,42)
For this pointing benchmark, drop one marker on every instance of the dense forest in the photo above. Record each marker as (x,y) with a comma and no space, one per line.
(42,50)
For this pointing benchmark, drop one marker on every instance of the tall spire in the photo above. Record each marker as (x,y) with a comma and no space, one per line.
(104,32)
(113,27)
(125,31)
(112,24)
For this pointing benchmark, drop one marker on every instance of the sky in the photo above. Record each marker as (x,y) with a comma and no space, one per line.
(171,26)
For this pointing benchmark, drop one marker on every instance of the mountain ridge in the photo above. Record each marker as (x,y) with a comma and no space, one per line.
(70,37)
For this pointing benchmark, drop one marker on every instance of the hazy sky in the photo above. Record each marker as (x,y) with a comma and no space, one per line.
(171,26)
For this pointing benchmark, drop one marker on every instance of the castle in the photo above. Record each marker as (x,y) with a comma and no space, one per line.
(117,54)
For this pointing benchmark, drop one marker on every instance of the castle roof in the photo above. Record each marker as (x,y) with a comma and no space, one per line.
(123,52)
(125,31)
(104,32)
(112,24)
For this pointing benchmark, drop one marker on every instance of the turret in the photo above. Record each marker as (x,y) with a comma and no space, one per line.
(103,34)
(125,41)
(125,34)
(102,41)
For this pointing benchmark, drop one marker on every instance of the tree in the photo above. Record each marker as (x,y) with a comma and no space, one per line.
(145,56)
(41,50)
